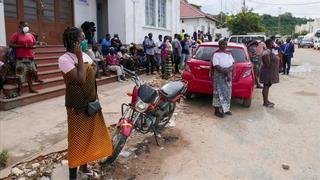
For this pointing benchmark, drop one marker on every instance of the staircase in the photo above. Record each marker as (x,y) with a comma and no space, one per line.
(46,58)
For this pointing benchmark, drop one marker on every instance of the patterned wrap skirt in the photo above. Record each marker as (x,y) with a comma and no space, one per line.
(222,89)
(88,138)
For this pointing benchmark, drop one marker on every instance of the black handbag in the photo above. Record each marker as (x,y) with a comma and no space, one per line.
(93,107)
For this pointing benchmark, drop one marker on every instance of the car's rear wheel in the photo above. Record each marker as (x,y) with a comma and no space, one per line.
(246,102)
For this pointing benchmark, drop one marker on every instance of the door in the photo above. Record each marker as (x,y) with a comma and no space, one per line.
(47,18)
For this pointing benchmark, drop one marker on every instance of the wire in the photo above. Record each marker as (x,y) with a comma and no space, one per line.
(290,4)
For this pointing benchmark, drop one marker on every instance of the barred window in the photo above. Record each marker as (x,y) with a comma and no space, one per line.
(150,12)
(162,13)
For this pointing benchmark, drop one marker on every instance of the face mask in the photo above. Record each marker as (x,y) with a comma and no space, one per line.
(25,29)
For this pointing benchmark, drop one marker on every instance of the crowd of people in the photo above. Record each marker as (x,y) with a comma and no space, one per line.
(270,58)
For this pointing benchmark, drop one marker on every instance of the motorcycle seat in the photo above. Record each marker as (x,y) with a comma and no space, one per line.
(172,89)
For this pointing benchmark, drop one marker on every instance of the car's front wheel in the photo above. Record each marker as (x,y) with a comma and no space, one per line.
(188,95)
(246,102)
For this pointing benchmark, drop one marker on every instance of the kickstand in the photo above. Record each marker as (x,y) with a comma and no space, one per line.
(156,137)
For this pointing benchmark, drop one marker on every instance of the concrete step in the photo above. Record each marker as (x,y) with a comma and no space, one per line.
(47,66)
(49,53)
(46,60)
(49,74)
(50,89)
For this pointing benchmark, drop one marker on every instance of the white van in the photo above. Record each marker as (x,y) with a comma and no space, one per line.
(246,38)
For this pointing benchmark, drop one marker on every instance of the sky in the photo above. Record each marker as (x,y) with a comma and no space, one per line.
(299,8)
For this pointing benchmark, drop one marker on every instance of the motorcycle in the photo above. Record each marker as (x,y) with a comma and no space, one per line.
(150,111)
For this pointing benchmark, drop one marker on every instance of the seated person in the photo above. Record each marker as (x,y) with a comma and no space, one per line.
(113,63)
(106,44)
(3,67)
(126,60)
(97,57)
(133,52)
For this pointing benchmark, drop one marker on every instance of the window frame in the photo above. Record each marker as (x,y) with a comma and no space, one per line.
(159,12)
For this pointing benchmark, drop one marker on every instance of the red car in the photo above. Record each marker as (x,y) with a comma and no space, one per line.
(197,69)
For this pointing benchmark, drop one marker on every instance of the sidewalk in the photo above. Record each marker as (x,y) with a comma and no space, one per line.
(34,128)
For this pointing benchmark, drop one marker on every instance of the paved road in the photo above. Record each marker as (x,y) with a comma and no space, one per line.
(252,144)
(255,142)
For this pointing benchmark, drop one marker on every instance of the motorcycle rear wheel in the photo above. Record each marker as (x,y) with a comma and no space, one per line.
(118,142)
(162,124)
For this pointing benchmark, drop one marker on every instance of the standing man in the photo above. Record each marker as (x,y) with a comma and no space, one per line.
(176,44)
(182,34)
(24,42)
(160,63)
(149,48)
(288,54)
(185,44)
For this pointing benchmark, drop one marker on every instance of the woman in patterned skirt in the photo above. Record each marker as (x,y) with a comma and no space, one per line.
(222,66)
(88,137)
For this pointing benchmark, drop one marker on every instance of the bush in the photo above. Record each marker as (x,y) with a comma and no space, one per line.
(4,156)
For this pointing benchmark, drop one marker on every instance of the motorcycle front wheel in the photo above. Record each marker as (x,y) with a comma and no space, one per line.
(118,142)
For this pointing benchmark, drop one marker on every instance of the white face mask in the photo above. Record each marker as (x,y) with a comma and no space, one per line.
(25,29)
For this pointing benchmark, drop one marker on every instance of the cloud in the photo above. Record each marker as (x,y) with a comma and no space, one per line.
(234,6)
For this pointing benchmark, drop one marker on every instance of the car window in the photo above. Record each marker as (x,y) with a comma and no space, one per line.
(238,54)
(233,39)
(205,53)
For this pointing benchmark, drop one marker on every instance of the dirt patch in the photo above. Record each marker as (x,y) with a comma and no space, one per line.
(146,156)
(304,93)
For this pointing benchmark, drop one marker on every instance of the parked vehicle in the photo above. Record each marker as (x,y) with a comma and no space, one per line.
(316,44)
(150,110)
(246,38)
(197,72)
(305,43)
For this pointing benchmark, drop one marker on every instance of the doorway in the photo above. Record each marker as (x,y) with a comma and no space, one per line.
(102,19)
(47,18)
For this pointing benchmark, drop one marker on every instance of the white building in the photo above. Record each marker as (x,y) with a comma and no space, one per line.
(193,19)
(131,19)
(310,26)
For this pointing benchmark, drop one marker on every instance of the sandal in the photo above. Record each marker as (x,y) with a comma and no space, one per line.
(269,105)
(228,113)
(87,175)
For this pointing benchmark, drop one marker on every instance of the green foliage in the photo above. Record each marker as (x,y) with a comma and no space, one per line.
(245,22)
(287,23)
(4,157)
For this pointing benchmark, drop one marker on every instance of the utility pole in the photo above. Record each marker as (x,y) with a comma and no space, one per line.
(244,6)
(279,21)
(221,15)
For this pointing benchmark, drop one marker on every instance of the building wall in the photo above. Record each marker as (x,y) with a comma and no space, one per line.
(2,27)
(130,23)
(85,12)
(195,24)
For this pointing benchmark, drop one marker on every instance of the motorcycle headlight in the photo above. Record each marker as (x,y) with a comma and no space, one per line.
(246,73)
(141,106)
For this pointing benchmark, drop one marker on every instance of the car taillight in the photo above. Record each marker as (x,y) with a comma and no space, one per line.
(247,73)
(187,68)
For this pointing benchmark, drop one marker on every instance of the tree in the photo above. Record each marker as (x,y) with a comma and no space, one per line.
(245,22)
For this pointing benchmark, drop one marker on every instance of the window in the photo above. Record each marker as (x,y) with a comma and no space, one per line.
(30,10)
(162,13)
(205,53)
(48,10)
(65,13)
(150,12)
(10,9)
